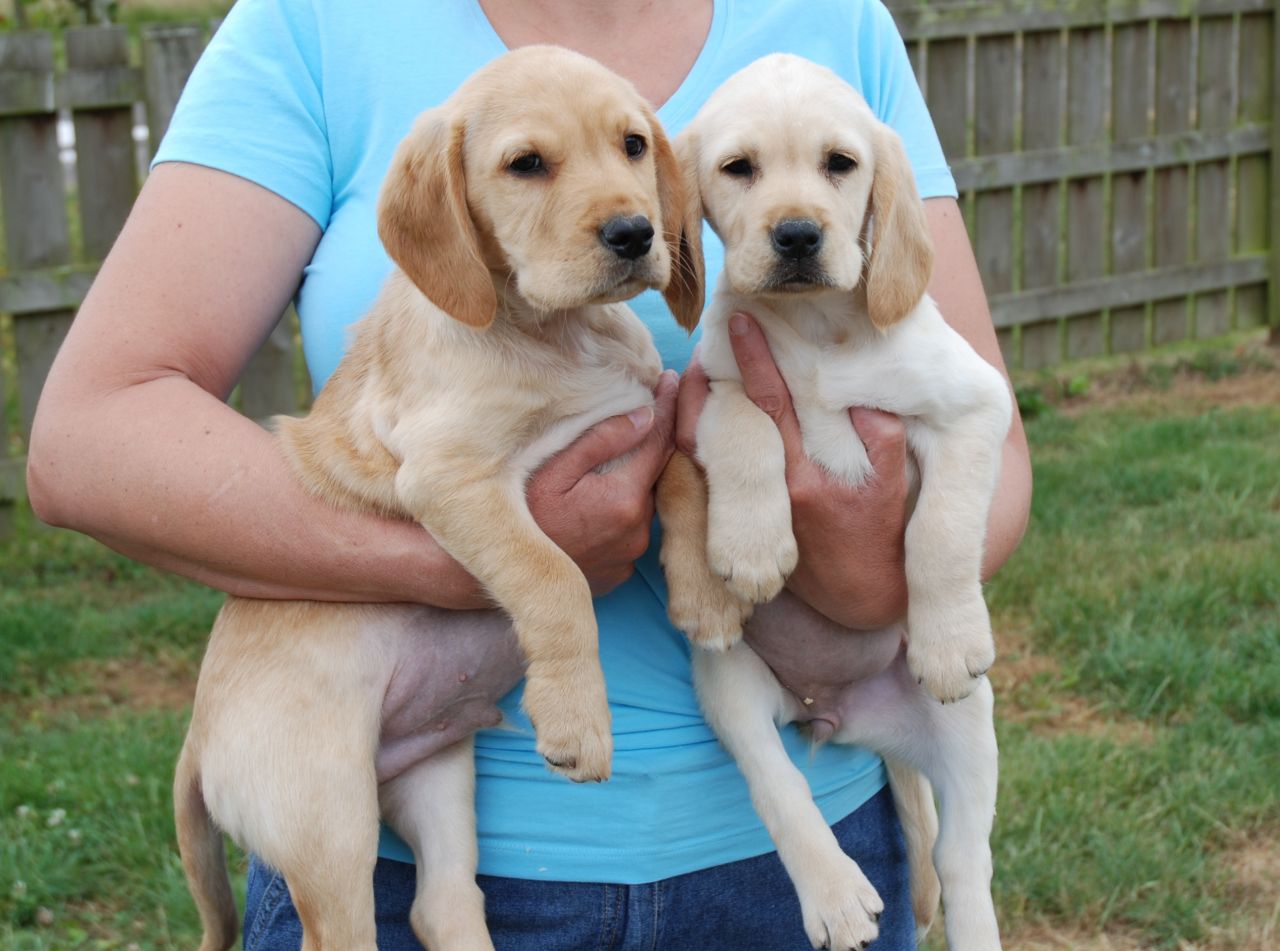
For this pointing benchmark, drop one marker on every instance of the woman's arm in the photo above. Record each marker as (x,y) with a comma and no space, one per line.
(851,540)
(133,444)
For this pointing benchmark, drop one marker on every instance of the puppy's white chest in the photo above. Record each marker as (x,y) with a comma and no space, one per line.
(823,411)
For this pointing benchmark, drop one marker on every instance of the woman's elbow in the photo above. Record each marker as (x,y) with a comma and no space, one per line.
(51,489)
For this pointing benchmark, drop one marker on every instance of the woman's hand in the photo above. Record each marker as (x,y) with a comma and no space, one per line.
(850,538)
(595,498)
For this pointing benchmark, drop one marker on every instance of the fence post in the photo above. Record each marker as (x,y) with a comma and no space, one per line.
(169,53)
(33,194)
(103,88)
(1273,233)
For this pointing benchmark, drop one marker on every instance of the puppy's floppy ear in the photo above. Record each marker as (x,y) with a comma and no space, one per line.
(424,222)
(901,250)
(681,206)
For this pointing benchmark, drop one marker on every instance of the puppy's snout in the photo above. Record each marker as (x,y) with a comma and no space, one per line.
(628,238)
(796,239)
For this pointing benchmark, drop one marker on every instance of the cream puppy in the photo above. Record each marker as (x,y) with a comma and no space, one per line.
(519,214)
(826,245)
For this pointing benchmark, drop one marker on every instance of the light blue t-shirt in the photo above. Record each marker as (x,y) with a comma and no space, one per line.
(309,99)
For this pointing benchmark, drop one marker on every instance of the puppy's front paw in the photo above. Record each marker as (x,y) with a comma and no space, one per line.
(950,646)
(570,714)
(753,560)
(707,612)
(841,908)
(750,543)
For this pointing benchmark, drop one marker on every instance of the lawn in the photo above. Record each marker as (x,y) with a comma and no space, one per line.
(1138,690)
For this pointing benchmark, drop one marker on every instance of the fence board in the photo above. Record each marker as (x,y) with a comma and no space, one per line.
(168,56)
(1085,297)
(936,20)
(1086,206)
(1132,91)
(995,112)
(31,192)
(1043,114)
(995,121)
(1215,110)
(948,73)
(104,140)
(1172,185)
(1253,173)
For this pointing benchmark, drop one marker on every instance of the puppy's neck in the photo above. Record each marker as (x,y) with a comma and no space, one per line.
(830,318)
(520,316)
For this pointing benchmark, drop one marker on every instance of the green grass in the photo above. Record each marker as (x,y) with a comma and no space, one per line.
(1147,588)
(1151,576)
(85,827)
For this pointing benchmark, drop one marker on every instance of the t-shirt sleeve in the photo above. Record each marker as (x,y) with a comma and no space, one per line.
(894,95)
(254,105)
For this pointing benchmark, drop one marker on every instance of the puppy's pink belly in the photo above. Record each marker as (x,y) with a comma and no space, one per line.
(451,669)
(821,663)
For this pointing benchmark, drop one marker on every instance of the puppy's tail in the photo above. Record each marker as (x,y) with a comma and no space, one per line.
(913,798)
(203,856)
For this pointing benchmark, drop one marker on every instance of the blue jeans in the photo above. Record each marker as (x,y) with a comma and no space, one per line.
(742,906)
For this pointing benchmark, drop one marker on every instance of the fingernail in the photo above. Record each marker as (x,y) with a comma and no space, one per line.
(738,325)
(642,417)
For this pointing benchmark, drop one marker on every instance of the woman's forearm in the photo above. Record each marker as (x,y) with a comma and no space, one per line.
(167,474)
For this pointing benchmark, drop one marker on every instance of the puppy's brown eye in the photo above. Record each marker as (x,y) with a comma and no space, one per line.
(634,144)
(838,162)
(738,168)
(527,164)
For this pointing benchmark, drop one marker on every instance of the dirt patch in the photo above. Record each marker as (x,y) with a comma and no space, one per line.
(1186,391)
(1253,893)
(1044,938)
(1028,688)
(123,685)
(1254,890)
(1246,375)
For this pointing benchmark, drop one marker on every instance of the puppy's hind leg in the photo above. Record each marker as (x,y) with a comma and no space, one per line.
(432,807)
(699,602)
(964,771)
(839,905)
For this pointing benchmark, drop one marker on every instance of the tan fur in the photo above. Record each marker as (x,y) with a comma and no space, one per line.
(497,341)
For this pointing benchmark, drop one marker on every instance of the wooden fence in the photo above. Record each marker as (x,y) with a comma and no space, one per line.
(1114,160)
(1113,157)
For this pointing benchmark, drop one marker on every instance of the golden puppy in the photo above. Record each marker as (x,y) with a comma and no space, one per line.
(826,245)
(519,213)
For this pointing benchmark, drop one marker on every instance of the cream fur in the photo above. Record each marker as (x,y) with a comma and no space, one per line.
(850,326)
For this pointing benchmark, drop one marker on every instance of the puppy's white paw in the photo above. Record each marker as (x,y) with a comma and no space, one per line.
(570,714)
(949,646)
(707,612)
(753,560)
(841,908)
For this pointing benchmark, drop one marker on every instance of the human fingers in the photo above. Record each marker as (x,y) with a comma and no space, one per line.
(885,437)
(640,470)
(601,444)
(764,384)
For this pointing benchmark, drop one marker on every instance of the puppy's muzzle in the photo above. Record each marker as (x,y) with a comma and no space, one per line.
(796,239)
(628,238)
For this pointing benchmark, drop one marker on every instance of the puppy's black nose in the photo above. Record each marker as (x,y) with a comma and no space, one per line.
(628,238)
(796,238)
